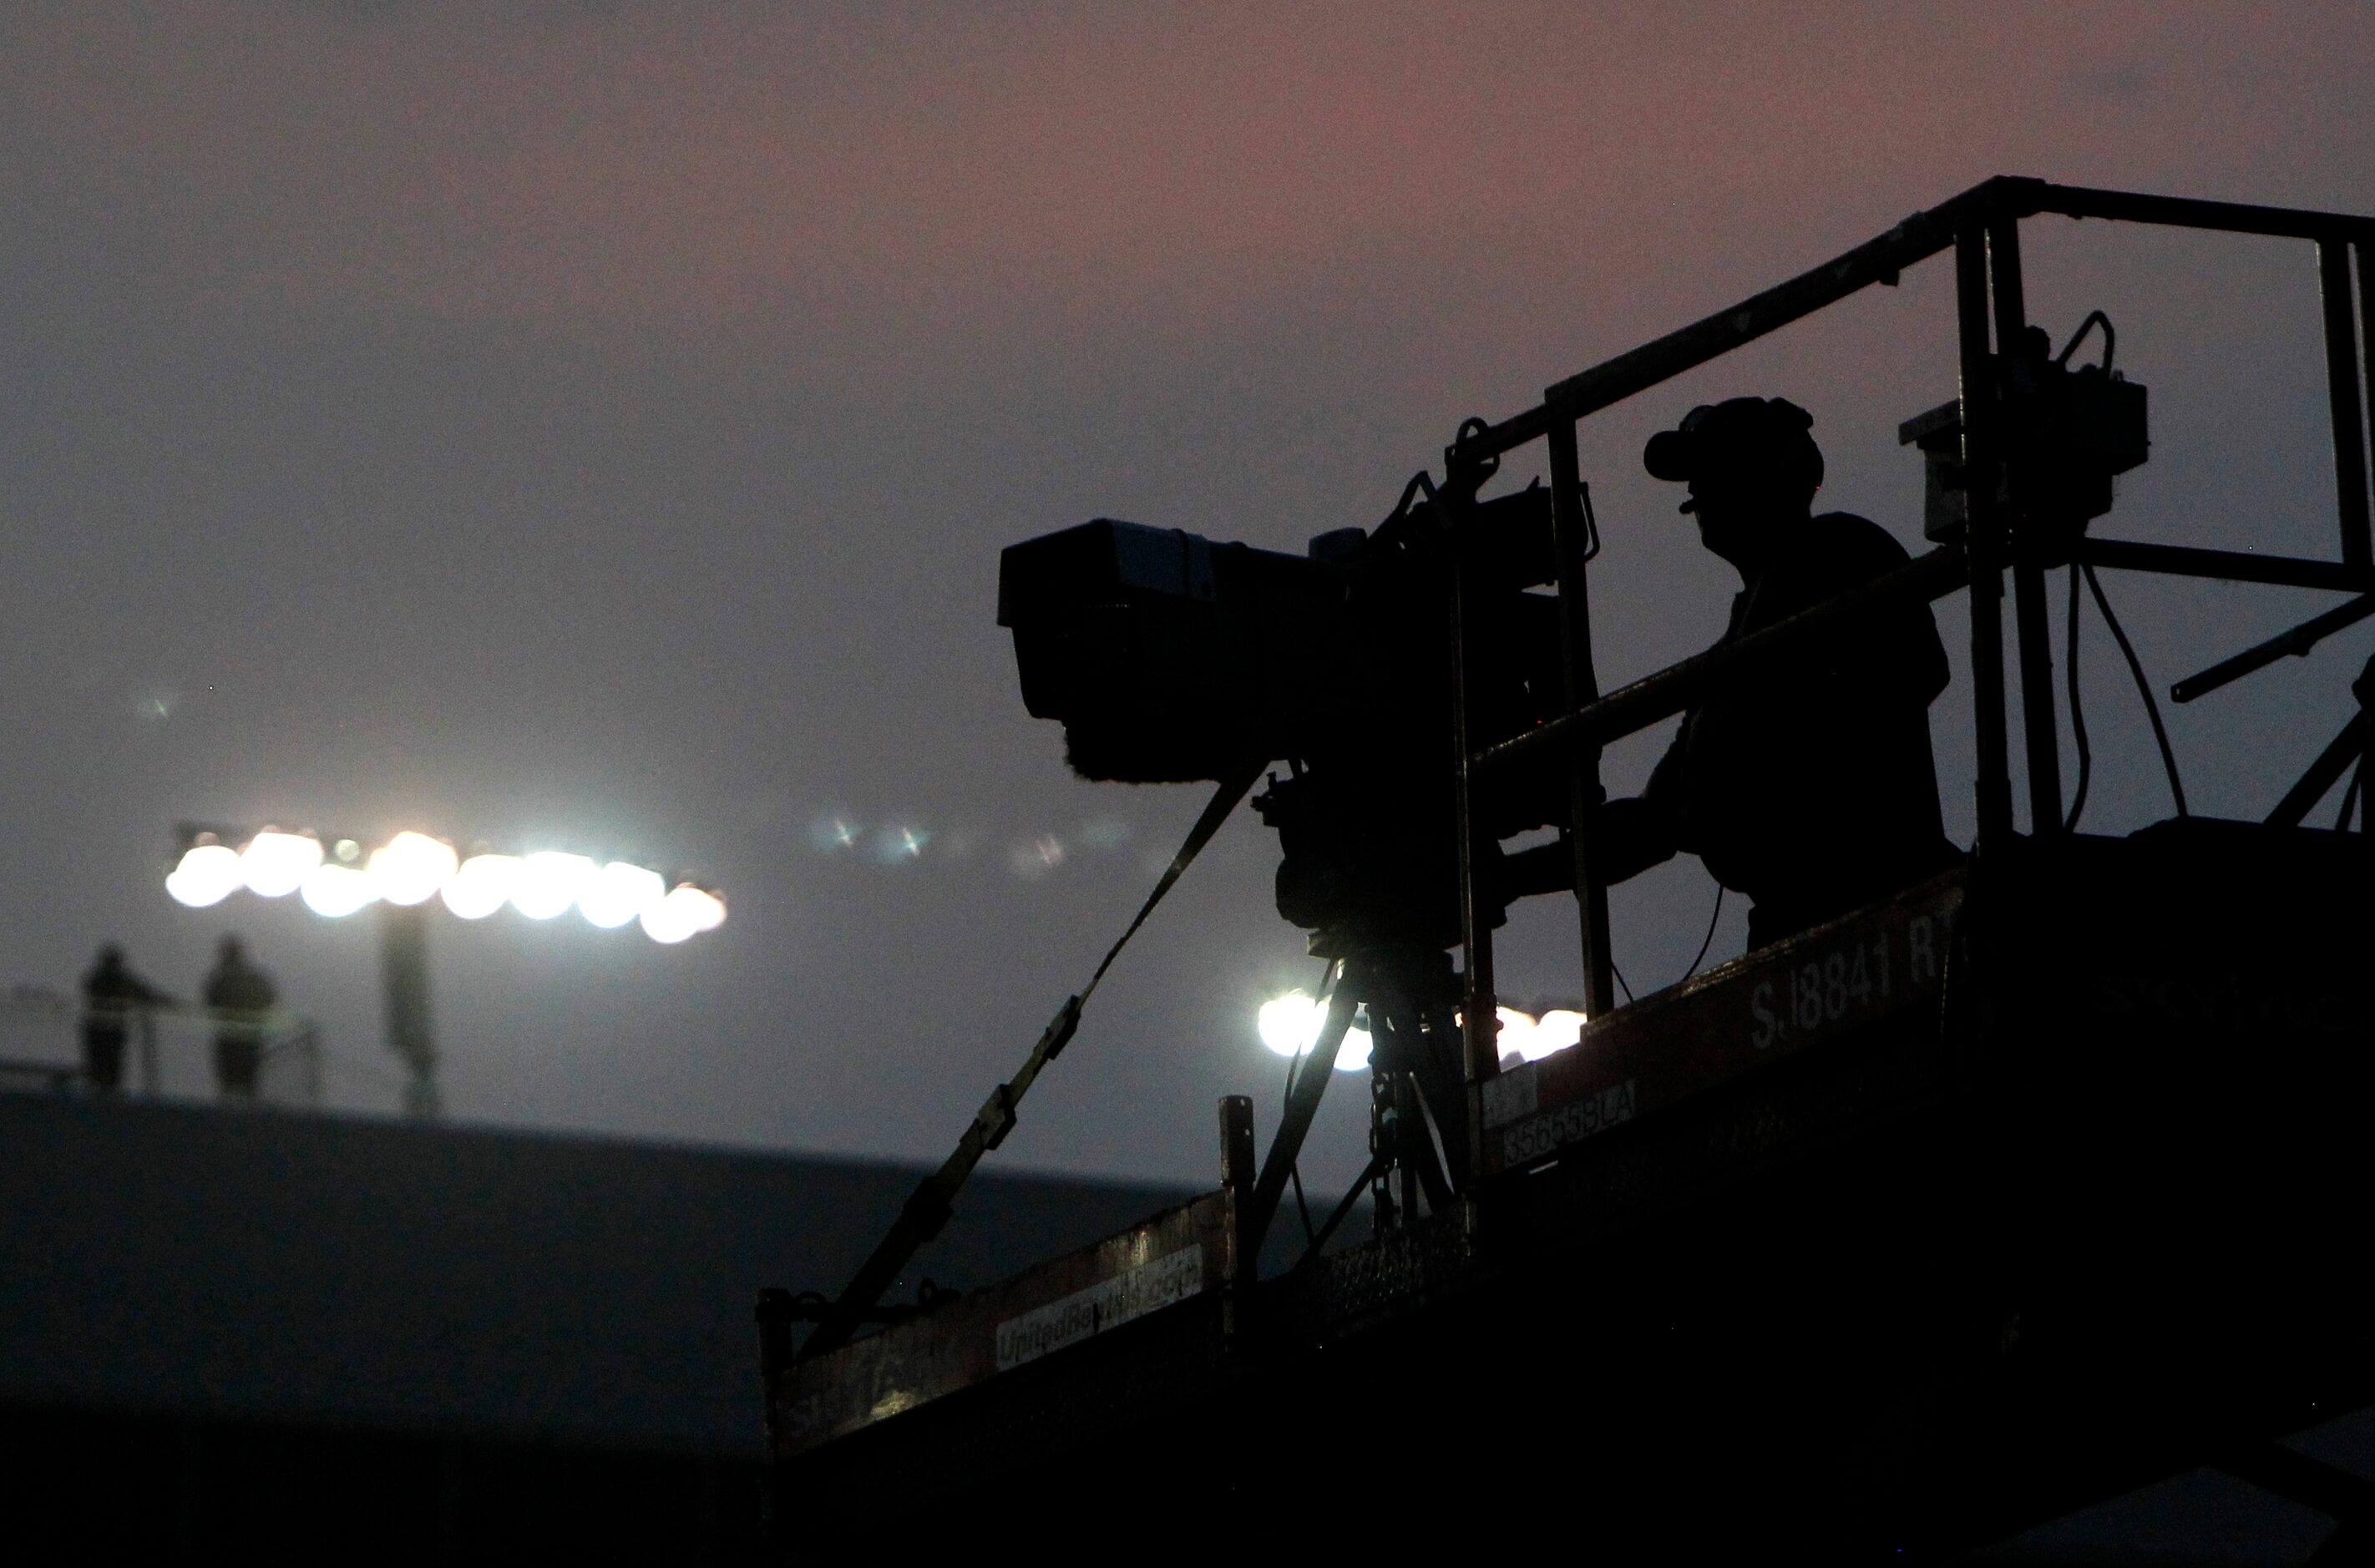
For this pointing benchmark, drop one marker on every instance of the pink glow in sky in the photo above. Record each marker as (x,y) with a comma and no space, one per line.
(597,424)
(810,177)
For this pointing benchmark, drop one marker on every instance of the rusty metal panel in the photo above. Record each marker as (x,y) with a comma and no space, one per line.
(1175,1257)
(1832,980)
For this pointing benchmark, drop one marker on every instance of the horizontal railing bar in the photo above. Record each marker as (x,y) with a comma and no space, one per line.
(2294,644)
(1675,688)
(2187,212)
(2235,566)
(1917,239)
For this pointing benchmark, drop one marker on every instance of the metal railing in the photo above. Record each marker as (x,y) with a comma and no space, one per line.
(1981,227)
(168,1051)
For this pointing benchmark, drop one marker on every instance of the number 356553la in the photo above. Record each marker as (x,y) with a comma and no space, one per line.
(1594,1112)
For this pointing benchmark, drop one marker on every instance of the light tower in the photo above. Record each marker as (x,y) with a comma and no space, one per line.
(335,878)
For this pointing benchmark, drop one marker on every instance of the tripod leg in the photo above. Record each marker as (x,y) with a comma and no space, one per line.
(1311,1075)
(2330,763)
(1404,1056)
(1414,1148)
(1446,1098)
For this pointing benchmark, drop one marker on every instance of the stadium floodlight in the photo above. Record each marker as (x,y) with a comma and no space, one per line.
(1524,1035)
(275,864)
(683,914)
(404,874)
(548,883)
(411,867)
(208,873)
(1555,1031)
(618,894)
(335,892)
(1290,1026)
(482,885)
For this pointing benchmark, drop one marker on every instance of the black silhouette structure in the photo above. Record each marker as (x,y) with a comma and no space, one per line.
(1811,787)
(241,998)
(115,1001)
(1978,1190)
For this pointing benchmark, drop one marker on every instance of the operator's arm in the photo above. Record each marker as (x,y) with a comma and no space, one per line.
(1630,835)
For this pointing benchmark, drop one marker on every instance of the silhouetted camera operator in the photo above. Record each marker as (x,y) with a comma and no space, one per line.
(1810,788)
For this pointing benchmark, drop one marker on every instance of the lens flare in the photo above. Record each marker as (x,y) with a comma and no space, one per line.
(336,891)
(1035,858)
(836,835)
(618,894)
(482,885)
(894,845)
(411,867)
(208,873)
(548,883)
(274,864)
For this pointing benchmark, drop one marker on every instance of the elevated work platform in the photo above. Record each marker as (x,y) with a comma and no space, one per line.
(2032,1186)
(2009,1193)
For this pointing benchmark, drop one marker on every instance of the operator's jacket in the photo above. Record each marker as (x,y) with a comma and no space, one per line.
(1810,787)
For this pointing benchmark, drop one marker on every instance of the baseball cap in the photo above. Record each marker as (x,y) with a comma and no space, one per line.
(1763,435)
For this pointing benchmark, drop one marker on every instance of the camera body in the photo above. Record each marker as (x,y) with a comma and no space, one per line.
(1169,657)
(2071,433)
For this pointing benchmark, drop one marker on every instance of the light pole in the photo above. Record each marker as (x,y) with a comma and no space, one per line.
(336,878)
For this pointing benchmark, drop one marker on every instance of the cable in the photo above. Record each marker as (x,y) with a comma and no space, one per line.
(2144,689)
(2350,798)
(1708,940)
(2110,341)
(2077,712)
(934,1199)
(1295,1172)
(1620,979)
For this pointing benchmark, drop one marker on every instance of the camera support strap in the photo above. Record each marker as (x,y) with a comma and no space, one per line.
(928,1207)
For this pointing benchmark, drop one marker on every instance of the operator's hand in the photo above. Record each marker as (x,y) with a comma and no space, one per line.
(1628,837)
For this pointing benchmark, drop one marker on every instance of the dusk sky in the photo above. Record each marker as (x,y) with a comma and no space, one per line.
(594,427)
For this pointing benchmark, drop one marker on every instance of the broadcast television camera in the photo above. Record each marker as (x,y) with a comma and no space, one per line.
(1169,657)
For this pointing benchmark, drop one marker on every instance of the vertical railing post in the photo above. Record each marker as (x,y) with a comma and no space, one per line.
(1570,533)
(2040,738)
(1478,1054)
(404,987)
(2366,253)
(2342,391)
(1239,1172)
(1983,534)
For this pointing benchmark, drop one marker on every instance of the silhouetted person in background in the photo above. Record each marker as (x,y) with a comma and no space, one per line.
(241,996)
(1810,788)
(113,998)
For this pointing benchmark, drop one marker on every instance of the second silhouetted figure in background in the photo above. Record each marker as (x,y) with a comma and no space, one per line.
(1811,787)
(241,996)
